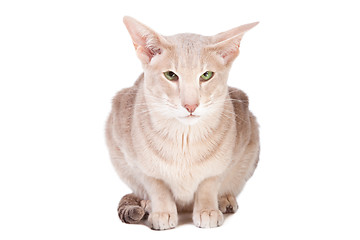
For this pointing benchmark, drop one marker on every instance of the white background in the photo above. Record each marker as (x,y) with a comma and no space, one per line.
(61,62)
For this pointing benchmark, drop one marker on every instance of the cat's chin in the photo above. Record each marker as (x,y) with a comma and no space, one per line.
(189,119)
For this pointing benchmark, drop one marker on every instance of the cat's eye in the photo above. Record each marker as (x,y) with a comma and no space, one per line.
(171,76)
(206,76)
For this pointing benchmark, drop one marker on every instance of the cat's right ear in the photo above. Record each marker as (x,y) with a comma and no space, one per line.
(226,44)
(146,41)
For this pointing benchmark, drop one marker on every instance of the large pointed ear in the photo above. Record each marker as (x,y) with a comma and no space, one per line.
(226,44)
(146,41)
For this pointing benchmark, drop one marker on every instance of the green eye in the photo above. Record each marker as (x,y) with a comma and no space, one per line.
(207,76)
(171,76)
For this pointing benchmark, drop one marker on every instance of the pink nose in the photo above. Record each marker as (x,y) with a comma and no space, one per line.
(191,108)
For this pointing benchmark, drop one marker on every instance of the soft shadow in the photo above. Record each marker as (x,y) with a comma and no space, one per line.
(184,219)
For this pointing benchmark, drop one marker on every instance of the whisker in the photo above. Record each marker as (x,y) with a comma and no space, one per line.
(236,115)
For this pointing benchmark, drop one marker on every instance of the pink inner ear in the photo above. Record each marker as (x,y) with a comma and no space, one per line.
(145,53)
(135,45)
(145,50)
(229,54)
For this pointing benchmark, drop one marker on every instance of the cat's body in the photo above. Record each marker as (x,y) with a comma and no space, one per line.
(183,144)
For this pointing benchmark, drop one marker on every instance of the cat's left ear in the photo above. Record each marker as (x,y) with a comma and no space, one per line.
(146,41)
(226,44)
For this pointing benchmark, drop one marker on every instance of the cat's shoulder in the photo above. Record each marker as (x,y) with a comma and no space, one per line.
(238,97)
(126,97)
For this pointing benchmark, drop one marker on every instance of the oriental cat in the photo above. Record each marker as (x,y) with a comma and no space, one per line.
(180,137)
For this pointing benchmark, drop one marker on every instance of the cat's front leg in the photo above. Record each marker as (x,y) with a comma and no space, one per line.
(206,213)
(163,213)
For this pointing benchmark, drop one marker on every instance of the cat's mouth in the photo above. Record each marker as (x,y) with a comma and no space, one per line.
(191,116)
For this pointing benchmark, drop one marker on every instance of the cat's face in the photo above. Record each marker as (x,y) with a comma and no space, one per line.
(185,74)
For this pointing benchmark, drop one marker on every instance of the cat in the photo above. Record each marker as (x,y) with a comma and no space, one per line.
(180,138)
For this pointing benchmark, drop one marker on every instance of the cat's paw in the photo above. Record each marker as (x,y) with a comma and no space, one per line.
(227,203)
(163,220)
(208,218)
(131,214)
(146,205)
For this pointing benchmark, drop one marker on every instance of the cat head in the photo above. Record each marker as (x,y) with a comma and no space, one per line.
(185,75)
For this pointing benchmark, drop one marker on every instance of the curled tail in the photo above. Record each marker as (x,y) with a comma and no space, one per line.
(132,209)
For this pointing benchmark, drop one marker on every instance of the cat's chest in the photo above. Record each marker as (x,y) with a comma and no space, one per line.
(186,158)
(183,177)
(185,167)
(186,154)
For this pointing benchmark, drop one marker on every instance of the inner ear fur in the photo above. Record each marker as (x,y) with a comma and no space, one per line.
(226,44)
(146,41)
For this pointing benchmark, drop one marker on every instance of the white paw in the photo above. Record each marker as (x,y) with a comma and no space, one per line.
(163,220)
(208,218)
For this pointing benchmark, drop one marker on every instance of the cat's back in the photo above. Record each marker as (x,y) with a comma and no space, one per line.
(246,124)
(240,101)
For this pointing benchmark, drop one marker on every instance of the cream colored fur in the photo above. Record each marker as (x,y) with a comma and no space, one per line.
(181,162)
